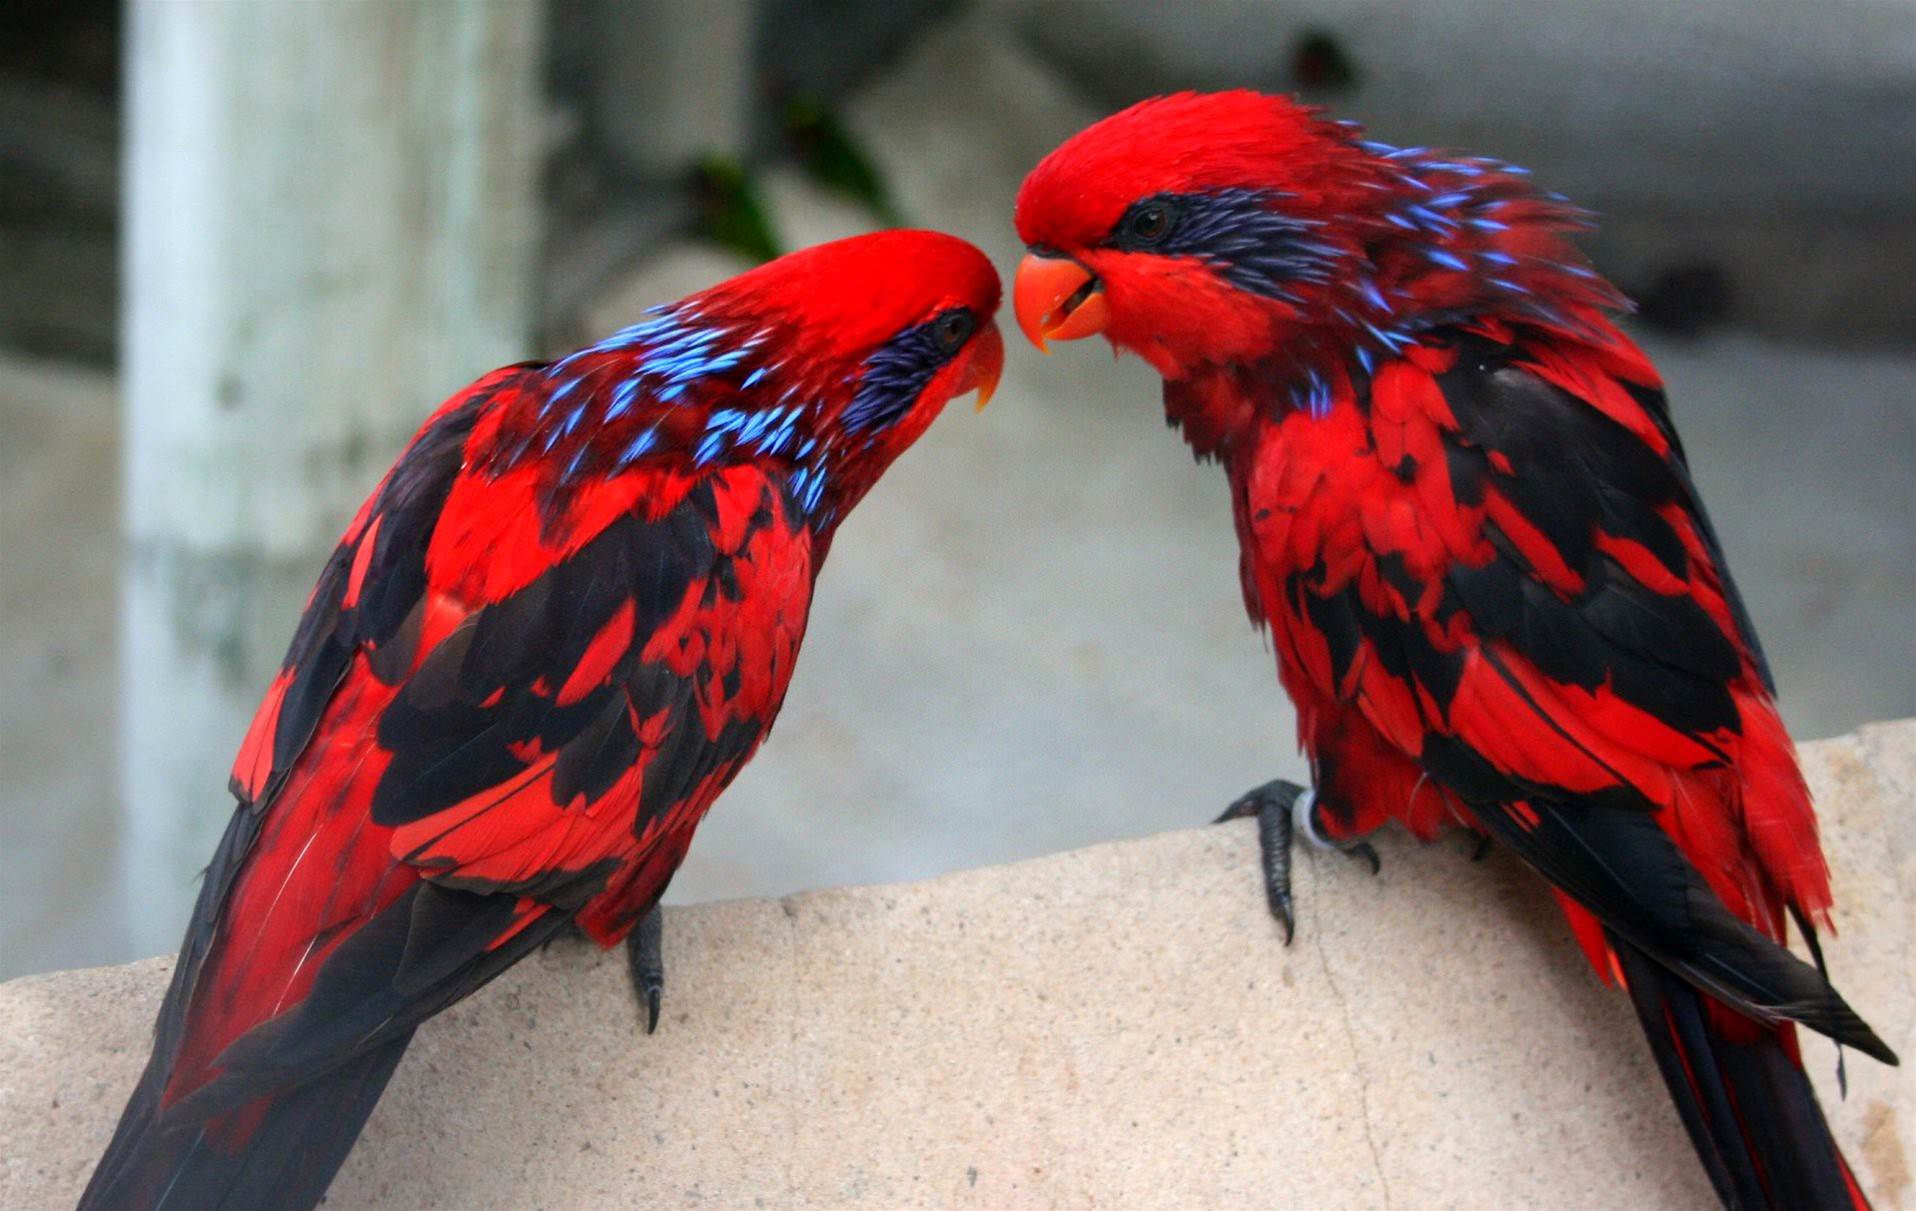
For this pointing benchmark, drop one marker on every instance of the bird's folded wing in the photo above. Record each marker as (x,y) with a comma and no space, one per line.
(435,785)
(1579,672)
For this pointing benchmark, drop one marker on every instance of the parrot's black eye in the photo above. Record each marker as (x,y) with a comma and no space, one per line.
(898,370)
(952,329)
(1148,222)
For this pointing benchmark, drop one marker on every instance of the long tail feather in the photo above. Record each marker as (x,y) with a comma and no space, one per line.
(1749,1109)
(281,1151)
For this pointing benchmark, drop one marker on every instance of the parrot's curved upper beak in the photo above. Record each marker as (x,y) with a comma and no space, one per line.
(987,363)
(1057,299)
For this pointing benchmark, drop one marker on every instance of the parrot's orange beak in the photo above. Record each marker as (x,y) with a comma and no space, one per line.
(987,363)
(1057,299)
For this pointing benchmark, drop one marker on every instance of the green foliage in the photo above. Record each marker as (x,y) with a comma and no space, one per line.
(732,211)
(833,158)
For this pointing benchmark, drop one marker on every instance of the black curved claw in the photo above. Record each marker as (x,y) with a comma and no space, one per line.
(1271,804)
(645,955)
(1363,851)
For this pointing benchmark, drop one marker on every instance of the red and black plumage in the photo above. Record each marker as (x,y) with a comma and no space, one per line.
(1468,522)
(550,638)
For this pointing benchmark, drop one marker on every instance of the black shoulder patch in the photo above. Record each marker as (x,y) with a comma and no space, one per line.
(487,696)
(406,508)
(1579,475)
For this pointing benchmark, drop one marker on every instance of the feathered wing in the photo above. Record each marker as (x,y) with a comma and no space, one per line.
(1509,608)
(449,767)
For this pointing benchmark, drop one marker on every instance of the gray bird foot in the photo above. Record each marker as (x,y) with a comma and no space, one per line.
(645,953)
(1284,809)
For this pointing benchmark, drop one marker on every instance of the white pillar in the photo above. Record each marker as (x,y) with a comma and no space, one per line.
(674,83)
(330,225)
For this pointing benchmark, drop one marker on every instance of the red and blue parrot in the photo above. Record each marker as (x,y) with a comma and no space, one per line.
(1467,520)
(552,636)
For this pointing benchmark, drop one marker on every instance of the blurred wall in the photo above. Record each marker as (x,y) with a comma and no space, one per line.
(1756,159)
(59,175)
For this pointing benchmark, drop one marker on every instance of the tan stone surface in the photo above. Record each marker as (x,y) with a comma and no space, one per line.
(1115,1027)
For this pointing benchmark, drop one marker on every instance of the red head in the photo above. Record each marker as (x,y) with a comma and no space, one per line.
(829,362)
(878,332)
(1235,229)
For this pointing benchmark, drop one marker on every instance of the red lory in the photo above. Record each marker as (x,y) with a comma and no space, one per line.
(1467,520)
(552,636)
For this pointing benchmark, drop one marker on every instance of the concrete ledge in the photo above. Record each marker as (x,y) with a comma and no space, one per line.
(1116,1026)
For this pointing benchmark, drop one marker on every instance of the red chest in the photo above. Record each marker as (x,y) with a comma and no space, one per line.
(1361,495)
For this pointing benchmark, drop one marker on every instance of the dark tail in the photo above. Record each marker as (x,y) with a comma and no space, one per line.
(278,1151)
(1748,1107)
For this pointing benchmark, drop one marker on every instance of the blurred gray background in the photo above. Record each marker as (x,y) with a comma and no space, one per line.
(245,246)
